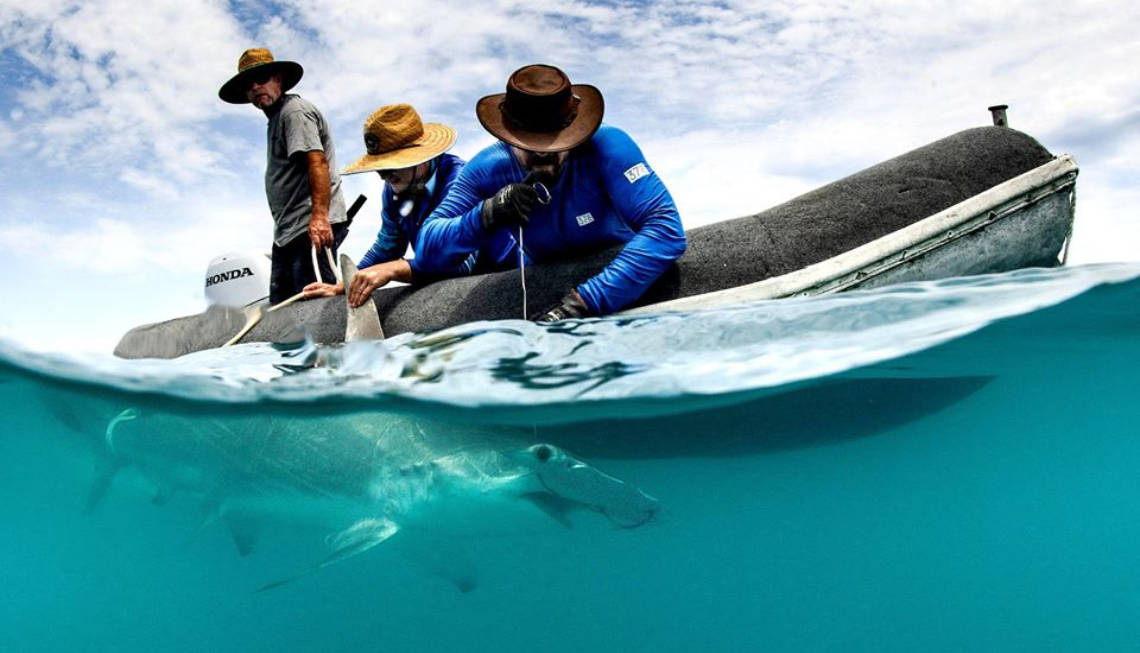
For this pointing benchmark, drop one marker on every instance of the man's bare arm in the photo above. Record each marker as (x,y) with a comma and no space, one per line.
(369,279)
(320,231)
(364,282)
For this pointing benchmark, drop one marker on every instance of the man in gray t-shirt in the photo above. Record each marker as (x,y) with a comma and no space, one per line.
(302,183)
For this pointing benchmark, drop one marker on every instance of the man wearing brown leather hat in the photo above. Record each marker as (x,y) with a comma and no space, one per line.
(301,179)
(411,157)
(564,184)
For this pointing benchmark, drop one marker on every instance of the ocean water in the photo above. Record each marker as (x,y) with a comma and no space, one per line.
(949,466)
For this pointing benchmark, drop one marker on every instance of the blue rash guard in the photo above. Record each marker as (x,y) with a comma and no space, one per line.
(397,231)
(606,195)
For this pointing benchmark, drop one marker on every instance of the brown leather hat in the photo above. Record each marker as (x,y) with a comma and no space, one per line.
(542,111)
(255,61)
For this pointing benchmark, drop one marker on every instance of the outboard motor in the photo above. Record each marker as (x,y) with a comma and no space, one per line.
(238,279)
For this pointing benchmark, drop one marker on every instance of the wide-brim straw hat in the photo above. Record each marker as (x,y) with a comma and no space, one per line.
(253,62)
(395,138)
(542,111)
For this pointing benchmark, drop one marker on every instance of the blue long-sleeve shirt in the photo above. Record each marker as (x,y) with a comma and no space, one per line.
(398,230)
(606,194)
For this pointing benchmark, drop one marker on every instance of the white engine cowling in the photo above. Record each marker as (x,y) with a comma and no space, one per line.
(238,279)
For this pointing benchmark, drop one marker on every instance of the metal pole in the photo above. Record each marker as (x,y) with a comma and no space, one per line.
(998,112)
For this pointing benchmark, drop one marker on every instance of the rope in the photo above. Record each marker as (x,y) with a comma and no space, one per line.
(253,314)
(336,268)
(544,198)
(522,271)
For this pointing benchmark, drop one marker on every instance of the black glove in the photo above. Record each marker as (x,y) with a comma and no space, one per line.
(570,306)
(509,207)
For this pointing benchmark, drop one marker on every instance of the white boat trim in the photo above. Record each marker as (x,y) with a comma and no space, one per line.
(910,243)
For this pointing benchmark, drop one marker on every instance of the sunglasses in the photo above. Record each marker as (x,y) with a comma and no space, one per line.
(259,78)
(391,174)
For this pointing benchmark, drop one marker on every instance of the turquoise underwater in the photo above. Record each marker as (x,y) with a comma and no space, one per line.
(928,467)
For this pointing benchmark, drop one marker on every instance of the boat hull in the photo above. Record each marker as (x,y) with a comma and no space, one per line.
(985,200)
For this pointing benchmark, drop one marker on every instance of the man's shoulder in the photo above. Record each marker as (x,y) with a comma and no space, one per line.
(449,168)
(492,156)
(612,150)
(609,137)
(293,104)
(450,162)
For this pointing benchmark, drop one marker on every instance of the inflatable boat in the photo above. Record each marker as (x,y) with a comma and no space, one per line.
(985,200)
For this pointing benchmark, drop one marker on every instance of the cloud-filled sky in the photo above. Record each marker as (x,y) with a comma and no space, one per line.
(123,174)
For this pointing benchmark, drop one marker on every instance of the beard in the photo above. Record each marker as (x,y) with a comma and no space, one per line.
(545,171)
(414,189)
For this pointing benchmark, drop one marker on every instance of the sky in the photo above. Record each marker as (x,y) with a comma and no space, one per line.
(123,174)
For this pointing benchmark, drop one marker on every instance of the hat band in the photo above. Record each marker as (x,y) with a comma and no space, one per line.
(373,146)
(540,121)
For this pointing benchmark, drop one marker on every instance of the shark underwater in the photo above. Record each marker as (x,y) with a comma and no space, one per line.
(365,478)
(362,478)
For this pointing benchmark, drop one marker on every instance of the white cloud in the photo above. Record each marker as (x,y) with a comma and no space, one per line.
(117,81)
(89,271)
(1106,226)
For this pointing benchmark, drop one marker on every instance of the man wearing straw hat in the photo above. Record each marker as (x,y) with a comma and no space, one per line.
(565,184)
(301,179)
(410,156)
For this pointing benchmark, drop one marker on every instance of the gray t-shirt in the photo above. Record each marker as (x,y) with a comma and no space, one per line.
(298,127)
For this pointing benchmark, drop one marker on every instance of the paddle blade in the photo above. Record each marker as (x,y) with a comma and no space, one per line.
(253,315)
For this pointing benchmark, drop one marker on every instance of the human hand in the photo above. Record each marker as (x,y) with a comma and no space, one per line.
(322,289)
(365,281)
(320,232)
(570,306)
(509,207)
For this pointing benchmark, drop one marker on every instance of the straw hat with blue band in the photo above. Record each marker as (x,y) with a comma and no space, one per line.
(255,62)
(395,138)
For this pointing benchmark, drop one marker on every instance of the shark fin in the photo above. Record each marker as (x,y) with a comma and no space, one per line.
(363,321)
(104,475)
(245,533)
(356,539)
(553,505)
(443,557)
(162,495)
(211,514)
(62,407)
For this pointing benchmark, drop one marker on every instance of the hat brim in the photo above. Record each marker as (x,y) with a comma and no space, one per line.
(436,140)
(233,91)
(590,111)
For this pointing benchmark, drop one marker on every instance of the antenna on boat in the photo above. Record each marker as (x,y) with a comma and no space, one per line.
(998,112)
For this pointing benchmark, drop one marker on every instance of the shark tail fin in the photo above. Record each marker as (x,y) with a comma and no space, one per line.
(356,539)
